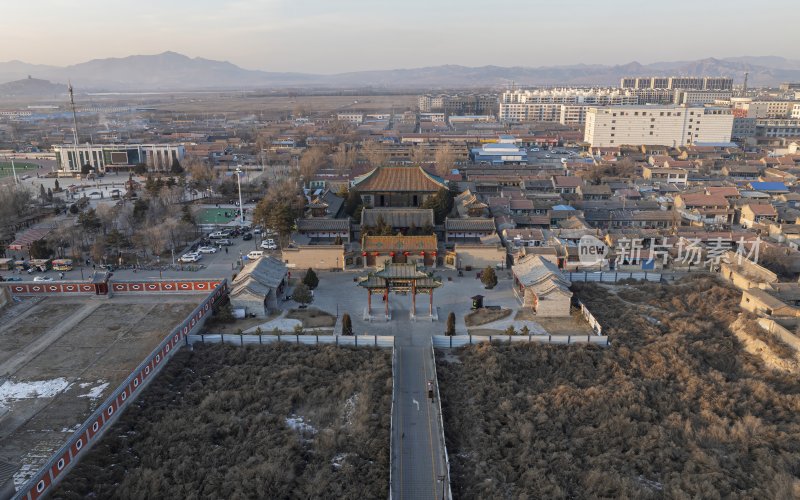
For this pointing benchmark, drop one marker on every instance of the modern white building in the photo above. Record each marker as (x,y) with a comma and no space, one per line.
(671,126)
(108,157)
(545,105)
(678,82)
(700,97)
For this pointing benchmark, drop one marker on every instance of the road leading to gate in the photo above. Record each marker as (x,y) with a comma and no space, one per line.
(418,452)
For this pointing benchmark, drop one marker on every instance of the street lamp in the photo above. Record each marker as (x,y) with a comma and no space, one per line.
(239,183)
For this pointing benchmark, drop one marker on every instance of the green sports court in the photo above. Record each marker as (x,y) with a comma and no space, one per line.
(21,168)
(215,215)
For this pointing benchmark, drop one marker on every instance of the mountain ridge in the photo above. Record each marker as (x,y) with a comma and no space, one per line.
(174,71)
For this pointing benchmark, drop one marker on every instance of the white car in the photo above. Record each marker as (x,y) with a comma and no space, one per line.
(43,278)
(255,254)
(190,257)
(207,250)
(218,235)
(268,245)
(535,150)
(547,156)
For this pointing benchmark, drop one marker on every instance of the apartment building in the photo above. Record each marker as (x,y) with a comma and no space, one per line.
(107,157)
(671,126)
(700,97)
(545,105)
(777,128)
(678,82)
(475,104)
(654,96)
(770,109)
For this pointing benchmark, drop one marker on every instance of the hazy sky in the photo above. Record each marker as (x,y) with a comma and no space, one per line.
(329,36)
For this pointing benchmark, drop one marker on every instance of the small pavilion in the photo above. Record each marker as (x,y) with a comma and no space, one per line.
(399,278)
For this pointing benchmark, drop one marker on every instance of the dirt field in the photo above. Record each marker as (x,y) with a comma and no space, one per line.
(272,106)
(483,316)
(575,324)
(62,357)
(278,421)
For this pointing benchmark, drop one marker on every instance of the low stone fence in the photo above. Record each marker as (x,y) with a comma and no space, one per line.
(340,340)
(780,332)
(612,276)
(589,317)
(445,342)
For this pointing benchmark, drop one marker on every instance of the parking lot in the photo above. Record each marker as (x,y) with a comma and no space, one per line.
(213,265)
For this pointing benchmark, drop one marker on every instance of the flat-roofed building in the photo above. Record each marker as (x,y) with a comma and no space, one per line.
(109,157)
(670,126)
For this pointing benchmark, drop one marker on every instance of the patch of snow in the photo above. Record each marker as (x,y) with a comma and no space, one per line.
(350,408)
(75,428)
(94,392)
(298,423)
(339,459)
(11,391)
(649,483)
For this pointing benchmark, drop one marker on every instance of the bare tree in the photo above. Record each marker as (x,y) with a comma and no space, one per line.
(419,155)
(312,160)
(343,159)
(202,174)
(445,159)
(375,154)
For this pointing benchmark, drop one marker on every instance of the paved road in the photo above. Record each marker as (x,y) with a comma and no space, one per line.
(418,452)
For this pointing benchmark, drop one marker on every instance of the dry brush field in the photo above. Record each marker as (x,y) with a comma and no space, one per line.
(674,409)
(278,421)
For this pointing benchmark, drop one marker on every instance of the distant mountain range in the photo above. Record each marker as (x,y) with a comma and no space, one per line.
(173,71)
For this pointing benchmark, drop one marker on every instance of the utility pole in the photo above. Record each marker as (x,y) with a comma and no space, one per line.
(239,182)
(14,171)
(74,130)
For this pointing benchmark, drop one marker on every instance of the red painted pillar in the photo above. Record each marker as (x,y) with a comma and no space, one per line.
(430,306)
(369,301)
(386,302)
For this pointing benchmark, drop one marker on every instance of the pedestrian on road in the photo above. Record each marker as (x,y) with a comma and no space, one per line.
(61,276)
(226,249)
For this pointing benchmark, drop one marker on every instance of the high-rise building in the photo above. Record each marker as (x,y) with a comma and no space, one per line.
(671,126)
(678,82)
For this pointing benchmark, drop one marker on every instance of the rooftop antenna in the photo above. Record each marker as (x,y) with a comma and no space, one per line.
(74,115)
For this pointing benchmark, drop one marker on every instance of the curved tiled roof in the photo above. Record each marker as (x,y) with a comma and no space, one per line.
(399,179)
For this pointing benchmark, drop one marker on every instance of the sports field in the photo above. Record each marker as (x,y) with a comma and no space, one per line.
(21,168)
(216,215)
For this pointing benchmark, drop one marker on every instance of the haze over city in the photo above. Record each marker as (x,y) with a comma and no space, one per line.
(321,36)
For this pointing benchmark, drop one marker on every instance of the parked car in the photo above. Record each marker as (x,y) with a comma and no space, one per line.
(13,278)
(269,245)
(43,278)
(207,250)
(225,242)
(255,254)
(217,235)
(247,236)
(190,257)
(257,230)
